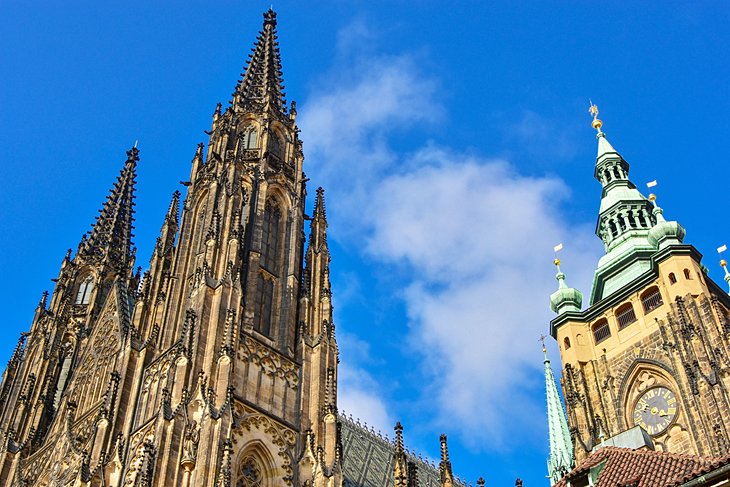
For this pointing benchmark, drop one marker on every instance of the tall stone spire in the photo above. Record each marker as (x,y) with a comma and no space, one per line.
(262,83)
(561,459)
(110,238)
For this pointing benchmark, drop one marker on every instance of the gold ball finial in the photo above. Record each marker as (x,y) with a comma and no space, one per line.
(652,197)
(723,262)
(597,123)
(556,261)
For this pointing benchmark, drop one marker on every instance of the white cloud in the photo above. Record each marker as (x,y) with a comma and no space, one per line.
(359,394)
(474,235)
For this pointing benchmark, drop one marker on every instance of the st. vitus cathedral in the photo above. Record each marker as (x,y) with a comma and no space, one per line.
(218,365)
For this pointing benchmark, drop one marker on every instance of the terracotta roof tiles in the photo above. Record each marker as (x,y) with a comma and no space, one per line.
(644,468)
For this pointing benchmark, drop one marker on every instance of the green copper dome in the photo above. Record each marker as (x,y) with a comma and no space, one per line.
(565,298)
(664,233)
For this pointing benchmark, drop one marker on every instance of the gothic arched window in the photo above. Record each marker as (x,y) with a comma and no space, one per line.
(270,237)
(85,288)
(263,311)
(249,138)
(276,146)
(249,473)
(672,278)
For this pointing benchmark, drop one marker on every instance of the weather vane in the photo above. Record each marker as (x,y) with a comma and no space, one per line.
(542,340)
(652,196)
(557,249)
(593,110)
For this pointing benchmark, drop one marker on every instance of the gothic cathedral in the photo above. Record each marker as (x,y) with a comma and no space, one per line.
(217,366)
(647,363)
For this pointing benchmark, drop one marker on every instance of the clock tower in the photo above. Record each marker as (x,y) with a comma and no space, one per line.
(652,348)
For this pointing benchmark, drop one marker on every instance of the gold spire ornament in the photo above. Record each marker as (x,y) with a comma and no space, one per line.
(597,123)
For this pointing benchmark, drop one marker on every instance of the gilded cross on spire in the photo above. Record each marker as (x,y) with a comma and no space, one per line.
(593,110)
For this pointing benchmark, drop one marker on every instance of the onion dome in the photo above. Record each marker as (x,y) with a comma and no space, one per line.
(664,232)
(565,298)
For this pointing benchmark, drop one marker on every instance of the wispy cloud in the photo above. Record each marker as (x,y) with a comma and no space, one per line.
(474,235)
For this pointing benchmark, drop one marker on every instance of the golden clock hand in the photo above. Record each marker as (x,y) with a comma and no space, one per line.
(662,412)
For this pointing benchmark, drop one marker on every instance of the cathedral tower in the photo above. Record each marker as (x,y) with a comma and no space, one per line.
(218,365)
(652,349)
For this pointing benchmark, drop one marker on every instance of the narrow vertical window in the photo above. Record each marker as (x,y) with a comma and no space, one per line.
(687,274)
(249,138)
(270,238)
(84,294)
(264,305)
(276,146)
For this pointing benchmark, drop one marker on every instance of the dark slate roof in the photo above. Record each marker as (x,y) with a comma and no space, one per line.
(367,459)
(644,468)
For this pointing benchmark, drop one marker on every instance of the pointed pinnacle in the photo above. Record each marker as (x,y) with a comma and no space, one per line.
(174,209)
(111,234)
(398,437)
(320,212)
(444,448)
(262,81)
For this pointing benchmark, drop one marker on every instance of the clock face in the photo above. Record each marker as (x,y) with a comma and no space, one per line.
(655,410)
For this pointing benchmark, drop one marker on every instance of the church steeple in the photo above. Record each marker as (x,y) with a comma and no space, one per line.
(262,83)
(625,215)
(110,238)
(630,226)
(561,459)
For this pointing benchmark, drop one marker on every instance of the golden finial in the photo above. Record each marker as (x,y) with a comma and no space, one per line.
(593,110)
(542,340)
(557,249)
(723,262)
(652,197)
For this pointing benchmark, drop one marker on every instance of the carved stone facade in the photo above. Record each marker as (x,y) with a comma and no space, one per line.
(217,366)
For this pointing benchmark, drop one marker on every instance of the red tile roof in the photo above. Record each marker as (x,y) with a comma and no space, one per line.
(644,468)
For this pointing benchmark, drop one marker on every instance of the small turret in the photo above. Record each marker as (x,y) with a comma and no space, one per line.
(565,298)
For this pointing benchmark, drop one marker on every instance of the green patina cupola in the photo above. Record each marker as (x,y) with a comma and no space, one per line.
(664,233)
(565,298)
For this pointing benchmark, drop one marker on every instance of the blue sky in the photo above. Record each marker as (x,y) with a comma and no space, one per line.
(454,144)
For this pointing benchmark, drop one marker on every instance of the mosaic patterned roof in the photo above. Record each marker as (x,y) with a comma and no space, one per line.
(368,459)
